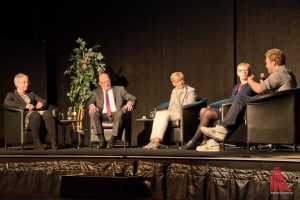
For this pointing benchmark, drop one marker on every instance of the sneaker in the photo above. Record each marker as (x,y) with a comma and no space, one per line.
(211,145)
(218,133)
(152,145)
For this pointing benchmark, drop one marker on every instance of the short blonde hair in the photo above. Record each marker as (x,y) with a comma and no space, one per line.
(18,77)
(176,75)
(276,55)
(245,64)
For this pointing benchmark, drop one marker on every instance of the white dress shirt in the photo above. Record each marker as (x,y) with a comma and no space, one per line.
(112,103)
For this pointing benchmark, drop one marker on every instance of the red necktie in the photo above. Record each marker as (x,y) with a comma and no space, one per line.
(108,111)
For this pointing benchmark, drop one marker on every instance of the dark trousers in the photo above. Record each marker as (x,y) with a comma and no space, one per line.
(98,117)
(35,121)
(236,112)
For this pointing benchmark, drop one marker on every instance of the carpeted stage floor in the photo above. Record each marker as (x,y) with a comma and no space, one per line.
(72,173)
(285,154)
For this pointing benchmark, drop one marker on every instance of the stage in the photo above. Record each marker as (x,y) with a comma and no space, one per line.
(170,173)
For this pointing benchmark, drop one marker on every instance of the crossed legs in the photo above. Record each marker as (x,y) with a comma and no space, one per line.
(207,116)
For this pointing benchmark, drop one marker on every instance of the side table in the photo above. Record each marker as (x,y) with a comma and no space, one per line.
(144,136)
(64,123)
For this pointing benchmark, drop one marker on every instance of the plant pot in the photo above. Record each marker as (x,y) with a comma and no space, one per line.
(77,137)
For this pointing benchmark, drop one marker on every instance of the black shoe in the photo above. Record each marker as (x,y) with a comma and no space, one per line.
(111,142)
(101,144)
(188,146)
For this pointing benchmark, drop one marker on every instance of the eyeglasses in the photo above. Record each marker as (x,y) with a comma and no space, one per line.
(176,81)
(241,70)
(25,82)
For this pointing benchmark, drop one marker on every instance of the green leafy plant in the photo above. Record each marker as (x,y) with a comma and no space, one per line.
(86,64)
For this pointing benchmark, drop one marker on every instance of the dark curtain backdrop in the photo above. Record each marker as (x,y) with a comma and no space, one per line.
(93,178)
(262,25)
(151,39)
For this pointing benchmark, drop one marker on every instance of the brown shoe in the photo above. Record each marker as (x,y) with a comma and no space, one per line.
(37,143)
(54,145)
(38,146)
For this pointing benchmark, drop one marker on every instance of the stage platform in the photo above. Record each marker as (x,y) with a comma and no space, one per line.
(82,173)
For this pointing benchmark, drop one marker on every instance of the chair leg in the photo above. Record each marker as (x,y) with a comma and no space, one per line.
(124,138)
(223,146)
(124,142)
(295,147)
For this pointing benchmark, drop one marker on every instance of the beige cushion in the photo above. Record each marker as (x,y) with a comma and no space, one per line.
(107,124)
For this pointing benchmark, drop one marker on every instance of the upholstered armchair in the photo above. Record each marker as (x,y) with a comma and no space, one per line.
(123,139)
(16,132)
(274,118)
(181,131)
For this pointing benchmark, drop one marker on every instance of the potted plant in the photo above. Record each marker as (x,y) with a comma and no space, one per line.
(86,64)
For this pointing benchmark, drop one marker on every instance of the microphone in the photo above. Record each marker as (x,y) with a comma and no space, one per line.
(262,76)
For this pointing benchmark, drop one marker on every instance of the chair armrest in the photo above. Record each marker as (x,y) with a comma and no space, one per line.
(219,103)
(54,110)
(13,109)
(191,111)
(190,118)
(274,95)
(196,105)
(162,106)
(165,105)
(13,124)
(13,115)
(224,109)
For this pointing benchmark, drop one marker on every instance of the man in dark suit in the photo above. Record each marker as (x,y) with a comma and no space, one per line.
(109,103)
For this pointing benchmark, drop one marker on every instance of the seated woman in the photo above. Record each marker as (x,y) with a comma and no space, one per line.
(182,94)
(207,115)
(24,99)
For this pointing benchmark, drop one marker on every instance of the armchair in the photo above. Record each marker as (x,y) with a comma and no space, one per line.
(183,130)
(16,131)
(124,138)
(274,118)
